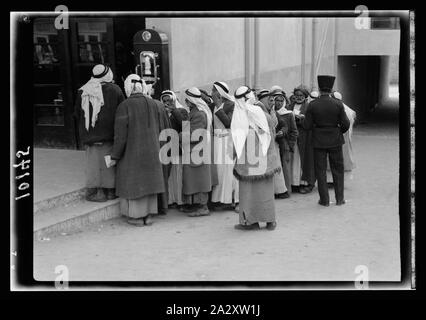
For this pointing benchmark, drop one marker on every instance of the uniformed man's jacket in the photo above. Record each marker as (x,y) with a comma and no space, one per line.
(327,119)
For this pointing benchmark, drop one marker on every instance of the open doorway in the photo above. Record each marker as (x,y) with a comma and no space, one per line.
(369,85)
(358,78)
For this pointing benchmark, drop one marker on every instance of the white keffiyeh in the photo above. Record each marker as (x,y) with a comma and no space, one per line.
(246,116)
(172,95)
(92,93)
(223,90)
(194,96)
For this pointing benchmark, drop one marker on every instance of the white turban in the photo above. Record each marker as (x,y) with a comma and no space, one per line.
(223,90)
(172,95)
(351,114)
(314,94)
(133,84)
(245,116)
(194,95)
(337,95)
(283,110)
(276,88)
(92,93)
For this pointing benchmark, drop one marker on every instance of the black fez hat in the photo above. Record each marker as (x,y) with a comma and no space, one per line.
(325,83)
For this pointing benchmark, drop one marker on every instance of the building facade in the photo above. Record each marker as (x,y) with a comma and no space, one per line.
(258,52)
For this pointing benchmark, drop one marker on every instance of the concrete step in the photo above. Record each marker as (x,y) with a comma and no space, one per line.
(73,216)
(61,200)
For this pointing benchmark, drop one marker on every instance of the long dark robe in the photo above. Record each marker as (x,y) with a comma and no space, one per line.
(104,126)
(164,123)
(306,149)
(196,177)
(136,147)
(287,124)
(256,192)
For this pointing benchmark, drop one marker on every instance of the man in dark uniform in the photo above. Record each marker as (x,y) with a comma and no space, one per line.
(327,119)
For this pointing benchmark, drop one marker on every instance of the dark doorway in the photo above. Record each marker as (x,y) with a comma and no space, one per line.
(124,29)
(62,63)
(358,79)
(53,122)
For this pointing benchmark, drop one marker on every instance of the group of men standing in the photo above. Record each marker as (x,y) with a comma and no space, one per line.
(294,136)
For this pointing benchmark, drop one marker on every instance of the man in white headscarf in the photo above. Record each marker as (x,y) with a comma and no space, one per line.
(348,155)
(286,136)
(172,105)
(163,114)
(226,191)
(313,95)
(207,98)
(140,175)
(197,173)
(251,131)
(146,90)
(95,107)
(280,187)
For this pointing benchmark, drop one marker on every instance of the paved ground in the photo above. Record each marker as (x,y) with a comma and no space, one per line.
(310,242)
(50,178)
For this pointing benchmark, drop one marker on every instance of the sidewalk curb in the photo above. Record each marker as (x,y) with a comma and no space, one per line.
(77,223)
(63,199)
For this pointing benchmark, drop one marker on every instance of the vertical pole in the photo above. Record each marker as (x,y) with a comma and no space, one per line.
(247,49)
(303,60)
(256,53)
(314,40)
(336,53)
(321,48)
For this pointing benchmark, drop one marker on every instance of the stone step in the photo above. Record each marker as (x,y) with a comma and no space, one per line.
(59,201)
(73,216)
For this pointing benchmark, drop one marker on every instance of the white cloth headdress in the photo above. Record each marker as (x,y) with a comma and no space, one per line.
(147,88)
(314,94)
(133,84)
(337,95)
(92,93)
(274,92)
(351,114)
(172,95)
(194,95)
(246,116)
(275,88)
(283,110)
(223,90)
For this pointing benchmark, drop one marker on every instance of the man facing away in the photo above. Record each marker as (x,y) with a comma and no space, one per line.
(328,121)
(95,109)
